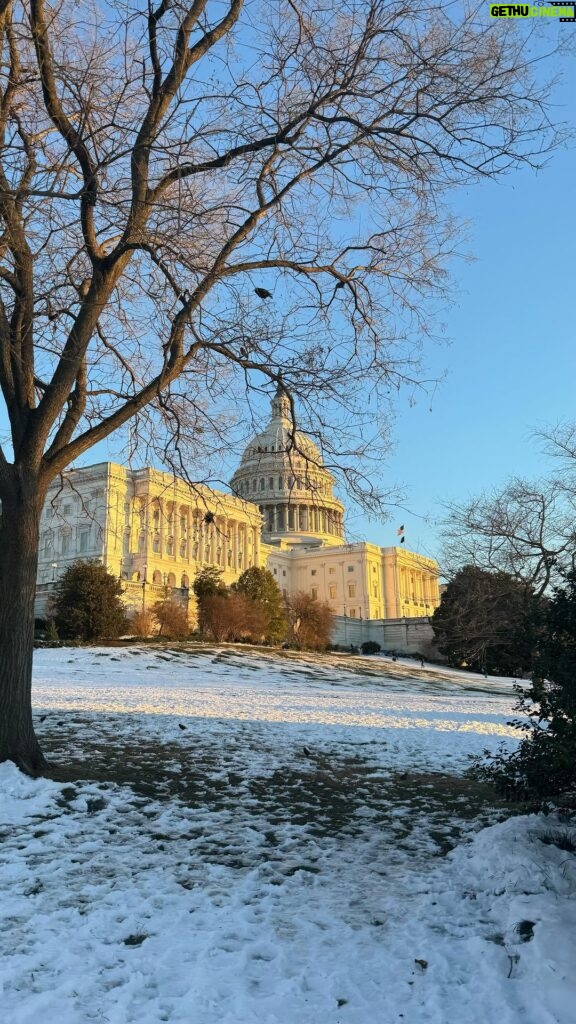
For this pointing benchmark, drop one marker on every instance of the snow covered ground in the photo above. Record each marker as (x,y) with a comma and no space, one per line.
(275,858)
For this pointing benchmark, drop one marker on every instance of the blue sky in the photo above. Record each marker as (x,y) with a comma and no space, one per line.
(511,361)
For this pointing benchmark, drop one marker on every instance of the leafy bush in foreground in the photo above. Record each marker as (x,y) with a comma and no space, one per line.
(544,766)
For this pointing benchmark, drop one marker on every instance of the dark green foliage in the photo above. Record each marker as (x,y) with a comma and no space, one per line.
(544,766)
(370,647)
(260,585)
(489,621)
(209,582)
(87,605)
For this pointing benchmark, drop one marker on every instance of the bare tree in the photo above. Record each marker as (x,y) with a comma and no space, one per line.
(234,616)
(171,175)
(526,528)
(311,621)
(172,619)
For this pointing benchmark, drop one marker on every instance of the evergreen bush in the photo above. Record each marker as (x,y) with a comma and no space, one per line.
(87,604)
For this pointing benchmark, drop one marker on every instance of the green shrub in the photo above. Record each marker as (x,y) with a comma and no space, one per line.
(87,603)
(370,647)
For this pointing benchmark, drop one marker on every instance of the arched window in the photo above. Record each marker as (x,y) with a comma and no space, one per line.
(156,542)
(262,483)
(171,580)
(170,546)
(184,582)
(156,576)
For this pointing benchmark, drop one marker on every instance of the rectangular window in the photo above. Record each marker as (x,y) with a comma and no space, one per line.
(275,572)
(313,572)
(271,482)
(352,613)
(84,537)
(314,593)
(332,572)
(351,590)
(350,568)
(283,572)
(333,590)
(65,544)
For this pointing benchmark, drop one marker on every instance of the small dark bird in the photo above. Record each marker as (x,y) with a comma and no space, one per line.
(307,752)
(180,726)
(59,723)
(209,517)
(42,718)
(422,963)
(263,293)
(341,284)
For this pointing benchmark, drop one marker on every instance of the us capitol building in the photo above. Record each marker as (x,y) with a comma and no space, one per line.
(155,531)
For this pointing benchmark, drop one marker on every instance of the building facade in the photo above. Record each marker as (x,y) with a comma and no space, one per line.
(155,532)
(151,530)
(303,539)
(360,581)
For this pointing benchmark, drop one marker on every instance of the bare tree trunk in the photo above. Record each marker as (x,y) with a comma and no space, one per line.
(19,535)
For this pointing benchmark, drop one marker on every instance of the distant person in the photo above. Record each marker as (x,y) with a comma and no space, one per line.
(421,662)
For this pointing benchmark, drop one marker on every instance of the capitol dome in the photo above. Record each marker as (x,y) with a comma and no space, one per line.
(285,477)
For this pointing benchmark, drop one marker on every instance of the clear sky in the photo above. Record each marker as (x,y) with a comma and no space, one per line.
(511,361)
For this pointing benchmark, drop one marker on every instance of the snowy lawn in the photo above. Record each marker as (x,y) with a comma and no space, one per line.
(235,837)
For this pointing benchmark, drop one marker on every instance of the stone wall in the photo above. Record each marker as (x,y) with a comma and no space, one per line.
(406,636)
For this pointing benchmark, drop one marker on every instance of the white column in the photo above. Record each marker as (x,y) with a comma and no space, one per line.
(235,546)
(175,530)
(200,529)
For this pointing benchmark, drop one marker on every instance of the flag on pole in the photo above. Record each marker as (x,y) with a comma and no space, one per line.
(400,533)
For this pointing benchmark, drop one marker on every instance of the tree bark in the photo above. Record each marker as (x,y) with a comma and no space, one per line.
(19,536)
